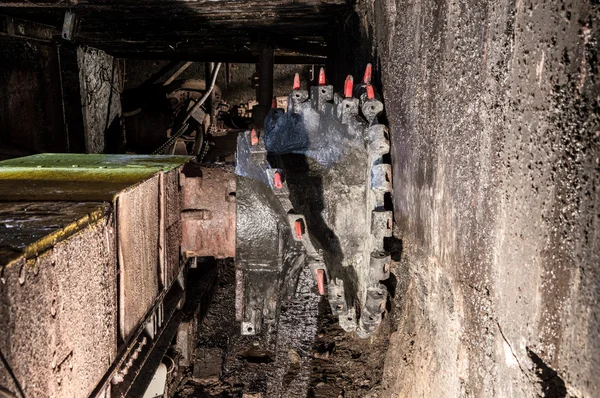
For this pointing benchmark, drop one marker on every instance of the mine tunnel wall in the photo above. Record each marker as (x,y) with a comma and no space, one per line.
(31,120)
(493,112)
(58,98)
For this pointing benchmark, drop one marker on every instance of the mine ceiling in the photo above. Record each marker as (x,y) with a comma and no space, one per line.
(215,30)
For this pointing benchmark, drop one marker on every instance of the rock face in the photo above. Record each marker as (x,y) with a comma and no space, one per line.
(493,113)
(101,102)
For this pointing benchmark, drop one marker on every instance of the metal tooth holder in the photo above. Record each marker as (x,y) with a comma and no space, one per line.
(381,177)
(380,266)
(319,96)
(371,108)
(258,147)
(346,108)
(296,98)
(381,224)
(252,326)
(276,178)
(379,143)
(337,301)
(339,306)
(372,310)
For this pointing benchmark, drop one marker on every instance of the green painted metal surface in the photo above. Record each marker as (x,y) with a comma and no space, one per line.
(78,177)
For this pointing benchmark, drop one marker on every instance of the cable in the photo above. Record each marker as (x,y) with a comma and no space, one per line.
(12,375)
(206,94)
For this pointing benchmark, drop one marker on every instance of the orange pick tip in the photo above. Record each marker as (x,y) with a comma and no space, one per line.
(296,82)
(368,73)
(322,77)
(348,85)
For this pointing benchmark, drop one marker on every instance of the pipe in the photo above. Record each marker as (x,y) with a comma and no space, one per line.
(183,127)
(205,96)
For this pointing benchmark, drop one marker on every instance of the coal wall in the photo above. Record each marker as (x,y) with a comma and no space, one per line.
(493,108)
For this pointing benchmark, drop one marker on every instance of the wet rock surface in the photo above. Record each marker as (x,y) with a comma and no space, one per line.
(308,356)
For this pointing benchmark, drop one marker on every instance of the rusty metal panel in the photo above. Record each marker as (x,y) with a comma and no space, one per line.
(208,211)
(58,304)
(138,238)
(69,205)
(170,202)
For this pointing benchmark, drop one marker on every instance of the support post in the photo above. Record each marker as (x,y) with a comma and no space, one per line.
(265,85)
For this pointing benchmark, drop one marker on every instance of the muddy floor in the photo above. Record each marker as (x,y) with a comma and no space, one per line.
(308,356)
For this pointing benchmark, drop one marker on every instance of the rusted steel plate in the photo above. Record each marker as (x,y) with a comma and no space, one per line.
(170,202)
(59,308)
(208,211)
(138,238)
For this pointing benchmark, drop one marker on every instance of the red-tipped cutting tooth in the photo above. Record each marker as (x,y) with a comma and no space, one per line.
(348,85)
(368,73)
(298,228)
(322,77)
(370,91)
(253,137)
(296,82)
(321,281)
(277,180)
(274,103)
